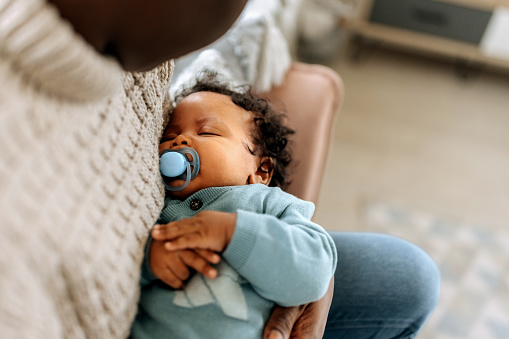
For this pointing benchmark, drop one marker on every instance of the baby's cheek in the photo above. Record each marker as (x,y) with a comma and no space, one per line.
(163,146)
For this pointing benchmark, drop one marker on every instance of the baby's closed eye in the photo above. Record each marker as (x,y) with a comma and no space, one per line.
(209,131)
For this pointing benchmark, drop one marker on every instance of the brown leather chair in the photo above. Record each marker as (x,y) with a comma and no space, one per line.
(311,96)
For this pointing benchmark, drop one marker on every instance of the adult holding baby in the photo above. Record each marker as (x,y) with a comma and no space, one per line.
(79,180)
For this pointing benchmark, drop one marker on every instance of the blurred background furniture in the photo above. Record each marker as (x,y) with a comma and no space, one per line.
(311,96)
(472,31)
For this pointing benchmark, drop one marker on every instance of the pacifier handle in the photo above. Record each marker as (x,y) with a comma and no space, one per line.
(175,165)
(181,187)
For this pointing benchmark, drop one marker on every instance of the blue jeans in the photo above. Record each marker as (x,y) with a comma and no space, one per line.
(384,287)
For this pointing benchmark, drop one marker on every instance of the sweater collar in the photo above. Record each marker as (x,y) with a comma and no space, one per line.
(208,194)
(44,48)
(173,207)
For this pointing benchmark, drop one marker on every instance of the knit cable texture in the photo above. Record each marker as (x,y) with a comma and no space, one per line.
(47,51)
(79,181)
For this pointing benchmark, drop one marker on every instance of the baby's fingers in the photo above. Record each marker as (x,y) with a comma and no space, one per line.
(159,232)
(175,276)
(176,229)
(187,241)
(211,257)
(193,260)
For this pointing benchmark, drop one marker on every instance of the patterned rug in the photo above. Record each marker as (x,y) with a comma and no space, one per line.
(474,263)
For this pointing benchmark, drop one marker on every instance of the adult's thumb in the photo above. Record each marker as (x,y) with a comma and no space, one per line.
(281,322)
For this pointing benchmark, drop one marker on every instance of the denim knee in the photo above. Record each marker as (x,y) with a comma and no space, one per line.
(385,287)
(423,285)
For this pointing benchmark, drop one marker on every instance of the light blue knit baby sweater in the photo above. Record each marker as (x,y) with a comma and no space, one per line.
(276,256)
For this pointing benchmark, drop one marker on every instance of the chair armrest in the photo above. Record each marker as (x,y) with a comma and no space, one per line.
(311,96)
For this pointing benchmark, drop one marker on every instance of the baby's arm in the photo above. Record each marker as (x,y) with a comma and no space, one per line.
(287,259)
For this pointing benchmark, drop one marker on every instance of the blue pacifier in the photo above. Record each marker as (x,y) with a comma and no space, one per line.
(174,164)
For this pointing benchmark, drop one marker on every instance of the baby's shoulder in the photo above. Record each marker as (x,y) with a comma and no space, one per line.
(274,200)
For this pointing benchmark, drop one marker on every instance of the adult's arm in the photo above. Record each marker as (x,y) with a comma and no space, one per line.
(141,34)
(300,322)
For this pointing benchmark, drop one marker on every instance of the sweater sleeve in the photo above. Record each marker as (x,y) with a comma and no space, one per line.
(146,273)
(287,259)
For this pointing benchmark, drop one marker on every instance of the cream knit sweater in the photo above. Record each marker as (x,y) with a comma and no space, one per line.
(79,179)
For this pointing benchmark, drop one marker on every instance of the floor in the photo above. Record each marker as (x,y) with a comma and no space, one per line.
(414,133)
(422,153)
(474,267)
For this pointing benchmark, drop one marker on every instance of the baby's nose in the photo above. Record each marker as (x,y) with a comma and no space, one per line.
(180,140)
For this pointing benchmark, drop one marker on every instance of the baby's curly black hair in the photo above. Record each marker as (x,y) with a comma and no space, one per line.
(270,134)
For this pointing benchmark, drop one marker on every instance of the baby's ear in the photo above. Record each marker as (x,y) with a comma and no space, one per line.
(264,172)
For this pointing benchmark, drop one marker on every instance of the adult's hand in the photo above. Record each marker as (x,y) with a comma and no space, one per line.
(305,321)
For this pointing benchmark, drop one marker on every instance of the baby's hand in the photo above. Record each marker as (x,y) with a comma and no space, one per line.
(207,230)
(173,267)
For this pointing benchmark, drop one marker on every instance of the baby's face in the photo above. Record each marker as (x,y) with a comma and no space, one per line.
(219,131)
